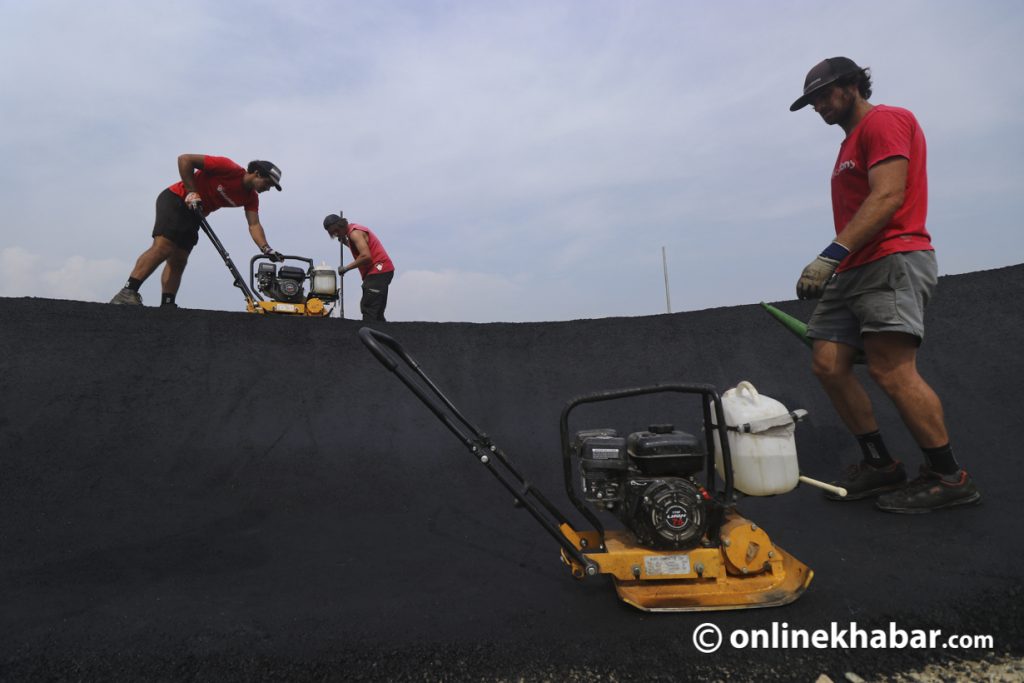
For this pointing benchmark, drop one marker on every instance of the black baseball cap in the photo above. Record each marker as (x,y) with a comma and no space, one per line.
(267,170)
(332,219)
(824,73)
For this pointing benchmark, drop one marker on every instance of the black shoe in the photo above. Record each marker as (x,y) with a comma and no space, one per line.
(931,491)
(863,481)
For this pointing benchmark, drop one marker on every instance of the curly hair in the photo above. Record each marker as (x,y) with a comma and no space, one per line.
(862,79)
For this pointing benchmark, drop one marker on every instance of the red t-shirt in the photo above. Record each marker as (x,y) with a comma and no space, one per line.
(885,132)
(220,184)
(380,262)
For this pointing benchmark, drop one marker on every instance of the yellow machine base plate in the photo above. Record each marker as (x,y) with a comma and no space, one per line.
(747,570)
(312,307)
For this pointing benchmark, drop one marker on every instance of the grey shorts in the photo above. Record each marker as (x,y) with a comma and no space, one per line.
(887,295)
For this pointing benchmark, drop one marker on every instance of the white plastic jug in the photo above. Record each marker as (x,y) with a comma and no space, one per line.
(325,281)
(761,441)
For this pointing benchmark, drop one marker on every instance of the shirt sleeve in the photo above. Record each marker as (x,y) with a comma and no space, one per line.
(888,134)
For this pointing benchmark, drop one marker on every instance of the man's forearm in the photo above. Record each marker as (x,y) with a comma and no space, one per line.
(357,262)
(258,236)
(873,215)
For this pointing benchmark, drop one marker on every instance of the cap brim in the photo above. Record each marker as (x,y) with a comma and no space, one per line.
(805,99)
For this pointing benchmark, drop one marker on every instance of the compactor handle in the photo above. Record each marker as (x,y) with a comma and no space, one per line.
(259,257)
(375,341)
(247,291)
(389,352)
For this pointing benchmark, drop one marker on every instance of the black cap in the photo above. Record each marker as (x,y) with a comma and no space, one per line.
(267,170)
(824,73)
(332,219)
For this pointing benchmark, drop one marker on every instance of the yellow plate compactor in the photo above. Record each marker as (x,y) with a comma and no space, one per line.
(684,546)
(284,286)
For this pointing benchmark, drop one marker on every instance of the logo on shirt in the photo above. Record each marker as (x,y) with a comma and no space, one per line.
(847,165)
(223,193)
(380,266)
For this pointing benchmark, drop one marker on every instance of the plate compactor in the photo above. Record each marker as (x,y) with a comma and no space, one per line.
(284,286)
(684,546)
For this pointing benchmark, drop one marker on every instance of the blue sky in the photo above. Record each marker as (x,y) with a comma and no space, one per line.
(519,160)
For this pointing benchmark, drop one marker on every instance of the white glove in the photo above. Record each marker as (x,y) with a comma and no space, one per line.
(818,272)
(815,276)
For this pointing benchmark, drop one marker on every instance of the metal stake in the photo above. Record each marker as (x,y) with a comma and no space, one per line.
(664,267)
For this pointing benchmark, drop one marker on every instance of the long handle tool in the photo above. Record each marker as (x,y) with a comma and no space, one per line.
(250,298)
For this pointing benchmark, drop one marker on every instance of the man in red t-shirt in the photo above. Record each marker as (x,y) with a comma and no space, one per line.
(207,183)
(371,259)
(873,282)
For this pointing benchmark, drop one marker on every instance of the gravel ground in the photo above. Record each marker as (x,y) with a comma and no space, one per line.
(994,669)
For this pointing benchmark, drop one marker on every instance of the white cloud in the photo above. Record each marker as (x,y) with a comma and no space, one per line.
(451,295)
(74,277)
(19,271)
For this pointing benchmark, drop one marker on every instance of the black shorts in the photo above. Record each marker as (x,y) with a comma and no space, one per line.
(175,221)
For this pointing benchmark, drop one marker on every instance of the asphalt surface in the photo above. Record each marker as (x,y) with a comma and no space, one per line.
(196,495)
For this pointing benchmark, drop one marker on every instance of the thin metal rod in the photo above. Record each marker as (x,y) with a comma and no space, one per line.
(664,267)
(341,279)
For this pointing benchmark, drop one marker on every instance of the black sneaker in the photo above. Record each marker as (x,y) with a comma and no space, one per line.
(863,481)
(930,491)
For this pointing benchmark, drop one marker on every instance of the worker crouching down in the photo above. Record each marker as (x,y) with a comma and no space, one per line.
(370,258)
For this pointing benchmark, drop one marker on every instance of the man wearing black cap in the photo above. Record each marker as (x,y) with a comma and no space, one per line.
(207,183)
(370,258)
(873,282)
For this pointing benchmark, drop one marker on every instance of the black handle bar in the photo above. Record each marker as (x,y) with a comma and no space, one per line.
(247,290)
(393,357)
(259,257)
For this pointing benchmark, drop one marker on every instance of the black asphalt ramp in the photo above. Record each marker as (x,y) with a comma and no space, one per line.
(197,495)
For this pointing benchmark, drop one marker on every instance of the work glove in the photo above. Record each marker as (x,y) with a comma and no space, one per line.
(818,272)
(194,201)
(272,254)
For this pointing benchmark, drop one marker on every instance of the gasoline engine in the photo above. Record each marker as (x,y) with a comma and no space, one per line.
(647,480)
(281,284)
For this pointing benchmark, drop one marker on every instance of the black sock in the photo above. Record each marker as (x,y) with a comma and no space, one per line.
(941,459)
(874,450)
(133,284)
(167,299)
